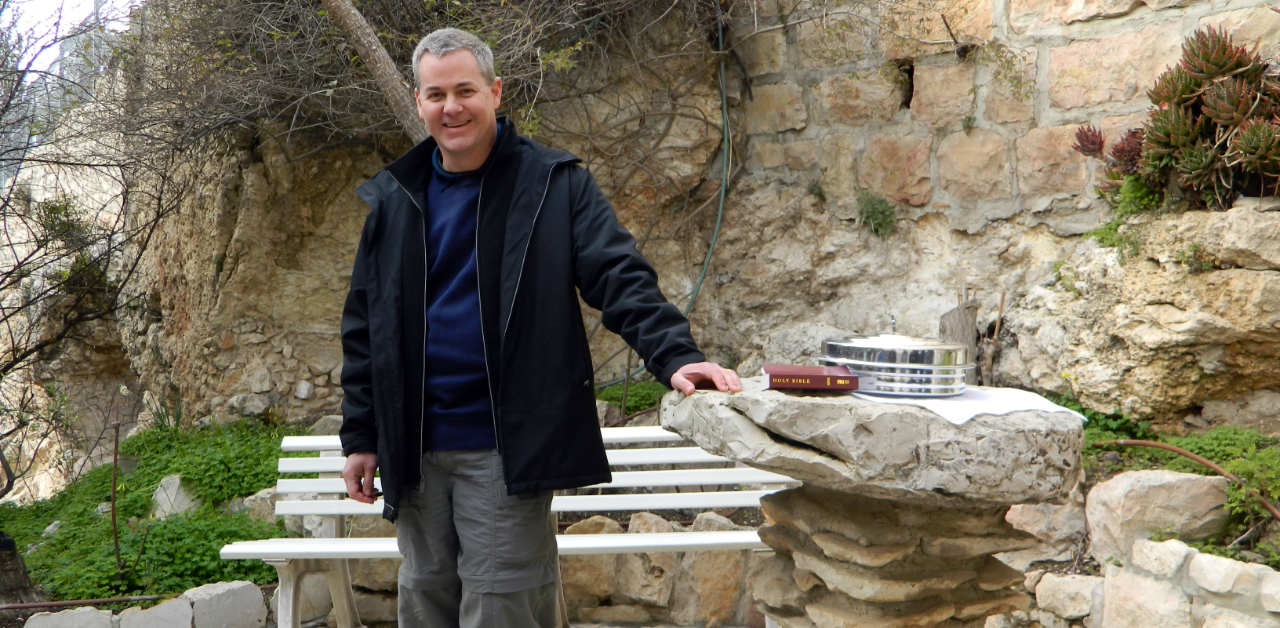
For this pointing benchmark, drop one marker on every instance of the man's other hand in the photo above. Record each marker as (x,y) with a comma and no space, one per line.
(702,374)
(358,474)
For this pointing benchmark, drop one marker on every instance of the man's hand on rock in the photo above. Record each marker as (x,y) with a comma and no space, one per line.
(703,375)
(358,473)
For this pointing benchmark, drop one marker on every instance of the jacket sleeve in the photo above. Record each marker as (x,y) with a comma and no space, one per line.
(359,431)
(613,277)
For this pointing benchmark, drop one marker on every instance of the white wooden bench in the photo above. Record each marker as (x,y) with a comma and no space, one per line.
(294,557)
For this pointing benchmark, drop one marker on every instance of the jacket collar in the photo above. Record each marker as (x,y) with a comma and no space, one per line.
(413,169)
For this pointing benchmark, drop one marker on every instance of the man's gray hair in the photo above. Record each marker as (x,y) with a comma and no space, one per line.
(443,41)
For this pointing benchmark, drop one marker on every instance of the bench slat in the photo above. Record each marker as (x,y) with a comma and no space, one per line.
(617,458)
(560,503)
(621,479)
(612,436)
(568,545)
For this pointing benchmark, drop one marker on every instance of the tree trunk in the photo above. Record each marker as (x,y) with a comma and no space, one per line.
(15,584)
(399,96)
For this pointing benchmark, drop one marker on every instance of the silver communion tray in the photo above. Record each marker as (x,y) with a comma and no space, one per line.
(902,365)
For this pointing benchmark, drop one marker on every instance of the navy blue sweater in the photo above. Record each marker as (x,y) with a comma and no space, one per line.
(459,414)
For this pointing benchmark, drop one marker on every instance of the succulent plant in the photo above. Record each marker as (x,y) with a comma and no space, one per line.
(1127,153)
(1210,53)
(1229,102)
(1089,141)
(1256,147)
(1175,88)
(1171,128)
(1199,166)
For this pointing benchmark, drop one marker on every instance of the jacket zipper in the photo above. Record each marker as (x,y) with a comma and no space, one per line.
(523,258)
(484,344)
(422,390)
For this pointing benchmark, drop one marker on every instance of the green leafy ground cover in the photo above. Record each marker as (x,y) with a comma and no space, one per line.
(640,395)
(1248,454)
(173,554)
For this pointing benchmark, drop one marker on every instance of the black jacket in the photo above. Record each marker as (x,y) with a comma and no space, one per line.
(545,234)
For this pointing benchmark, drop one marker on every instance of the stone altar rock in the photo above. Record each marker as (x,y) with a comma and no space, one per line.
(894,452)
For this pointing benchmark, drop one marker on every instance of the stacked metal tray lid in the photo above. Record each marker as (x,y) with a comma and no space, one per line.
(902,366)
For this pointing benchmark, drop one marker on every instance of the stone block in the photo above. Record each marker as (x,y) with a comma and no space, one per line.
(834,611)
(840,42)
(1160,559)
(84,617)
(375,574)
(974,166)
(1031,15)
(1115,69)
(1136,601)
(846,549)
(765,155)
(607,414)
(1222,575)
(371,607)
(897,168)
(249,405)
(227,605)
(175,613)
(646,578)
(775,108)
(316,599)
(616,613)
(838,161)
(942,95)
(1137,504)
(1048,165)
(859,98)
(171,497)
(1211,616)
(262,505)
(772,583)
(709,583)
(1243,237)
(914,23)
(870,586)
(1002,104)
(304,390)
(588,580)
(800,155)
(327,425)
(1067,596)
(764,53)
(1257,26)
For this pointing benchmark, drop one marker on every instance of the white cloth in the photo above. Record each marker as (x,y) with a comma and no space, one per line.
(974,401)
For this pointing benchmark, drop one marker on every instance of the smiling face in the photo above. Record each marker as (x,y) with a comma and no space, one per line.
(459,107)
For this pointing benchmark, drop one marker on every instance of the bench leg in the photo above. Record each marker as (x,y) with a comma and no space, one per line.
(338,576)
(289,598)
(344,601)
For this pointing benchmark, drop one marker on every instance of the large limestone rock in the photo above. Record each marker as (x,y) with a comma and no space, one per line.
(175,613)
(375,574)
(1139,504)
(172,497)
(1132,600)
(1071,597)
(709,583)
(317,601)
(75,618)
(896,452)
(588,580)
(647,578)
(236,604)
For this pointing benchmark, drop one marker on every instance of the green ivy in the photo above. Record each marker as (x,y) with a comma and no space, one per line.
(640,395)
(173,554)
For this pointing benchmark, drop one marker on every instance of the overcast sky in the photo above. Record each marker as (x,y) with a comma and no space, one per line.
(41,16)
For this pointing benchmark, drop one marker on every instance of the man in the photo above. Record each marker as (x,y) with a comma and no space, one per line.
(467,373)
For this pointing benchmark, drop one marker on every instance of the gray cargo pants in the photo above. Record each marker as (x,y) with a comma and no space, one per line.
(474,557)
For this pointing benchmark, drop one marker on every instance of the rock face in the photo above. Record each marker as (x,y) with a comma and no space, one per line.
(896,452)
(1138,504)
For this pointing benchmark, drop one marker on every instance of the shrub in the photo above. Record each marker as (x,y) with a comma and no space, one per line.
(640,395)
(879,216)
